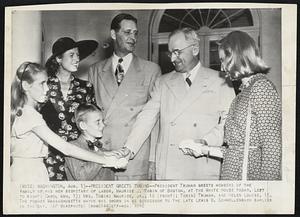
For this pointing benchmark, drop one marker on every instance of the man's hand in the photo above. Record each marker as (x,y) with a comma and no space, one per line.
(151,171)
(113,161)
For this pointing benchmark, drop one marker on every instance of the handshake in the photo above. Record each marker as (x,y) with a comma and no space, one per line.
(198,148)
(117,158)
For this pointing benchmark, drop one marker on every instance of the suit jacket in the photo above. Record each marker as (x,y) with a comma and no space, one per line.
(80,170)
(122,104)
(196,113)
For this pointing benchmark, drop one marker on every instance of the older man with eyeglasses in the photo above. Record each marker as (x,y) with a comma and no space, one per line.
(192,102)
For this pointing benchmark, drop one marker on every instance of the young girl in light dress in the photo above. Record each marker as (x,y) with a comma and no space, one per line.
(30,135)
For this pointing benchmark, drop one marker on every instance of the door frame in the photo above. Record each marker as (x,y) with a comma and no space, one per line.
(205,35)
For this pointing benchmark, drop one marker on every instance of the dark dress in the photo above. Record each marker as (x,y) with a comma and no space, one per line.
(59,116)
(264,162)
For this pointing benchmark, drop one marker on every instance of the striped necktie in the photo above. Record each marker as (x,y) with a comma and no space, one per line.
(119,73)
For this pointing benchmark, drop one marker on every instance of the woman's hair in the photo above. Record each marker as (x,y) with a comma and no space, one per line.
(25,72)
(82,110)
(242,55)
(52,66)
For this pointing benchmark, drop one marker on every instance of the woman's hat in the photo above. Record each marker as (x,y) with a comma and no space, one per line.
(85,47)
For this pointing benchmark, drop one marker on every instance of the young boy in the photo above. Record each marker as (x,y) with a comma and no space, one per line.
(89,121)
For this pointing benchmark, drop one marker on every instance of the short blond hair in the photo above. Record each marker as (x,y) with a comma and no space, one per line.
(243,56)
(82,110)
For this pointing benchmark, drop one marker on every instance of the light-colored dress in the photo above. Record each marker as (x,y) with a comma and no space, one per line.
(264,162)
(27,149)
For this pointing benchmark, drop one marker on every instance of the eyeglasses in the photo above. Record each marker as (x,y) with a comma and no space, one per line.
(177,52)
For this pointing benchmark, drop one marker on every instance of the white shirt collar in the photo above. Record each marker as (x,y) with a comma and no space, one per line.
(192,73)
(126,61)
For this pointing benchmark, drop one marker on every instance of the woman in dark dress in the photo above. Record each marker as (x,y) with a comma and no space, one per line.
(65,93)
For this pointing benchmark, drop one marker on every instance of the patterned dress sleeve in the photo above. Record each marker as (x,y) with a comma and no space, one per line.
(267,108)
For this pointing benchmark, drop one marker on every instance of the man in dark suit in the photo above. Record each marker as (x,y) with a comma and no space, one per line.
(122,85)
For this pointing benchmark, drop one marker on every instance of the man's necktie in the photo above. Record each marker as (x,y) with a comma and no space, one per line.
(188,80)
(94,145)
(119,72)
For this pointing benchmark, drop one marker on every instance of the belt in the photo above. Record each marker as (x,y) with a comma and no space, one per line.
(241,147)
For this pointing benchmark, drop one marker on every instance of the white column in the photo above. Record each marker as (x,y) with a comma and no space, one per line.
(271,44)
(26,37)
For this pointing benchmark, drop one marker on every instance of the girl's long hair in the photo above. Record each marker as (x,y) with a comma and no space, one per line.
(25,72)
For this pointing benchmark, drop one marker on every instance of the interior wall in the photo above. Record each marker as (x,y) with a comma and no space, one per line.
(26,39)
(82,25)
(95,25)
(271,43)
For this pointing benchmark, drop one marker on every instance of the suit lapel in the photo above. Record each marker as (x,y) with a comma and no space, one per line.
(108,79)
(132,78)
(177,86)
(200,84)
(133,75)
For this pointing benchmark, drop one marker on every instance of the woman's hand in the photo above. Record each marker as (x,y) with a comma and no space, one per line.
(123,152)
(112,153)
(113,161)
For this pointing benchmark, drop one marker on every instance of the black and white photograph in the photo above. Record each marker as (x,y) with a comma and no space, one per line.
(150,108)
